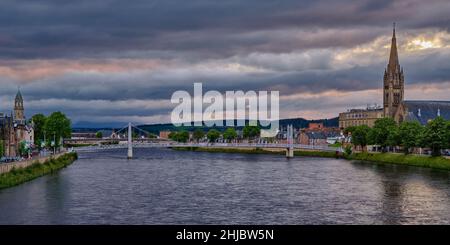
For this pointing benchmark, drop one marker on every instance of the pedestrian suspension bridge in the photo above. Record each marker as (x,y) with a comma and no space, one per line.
(131,143)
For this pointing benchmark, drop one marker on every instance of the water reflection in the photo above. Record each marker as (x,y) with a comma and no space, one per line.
(170,187)
(411,195)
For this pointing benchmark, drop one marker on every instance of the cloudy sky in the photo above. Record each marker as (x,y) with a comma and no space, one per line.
(110,61)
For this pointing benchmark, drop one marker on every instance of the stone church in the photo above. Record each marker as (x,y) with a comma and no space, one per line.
(15,129)
(395,106)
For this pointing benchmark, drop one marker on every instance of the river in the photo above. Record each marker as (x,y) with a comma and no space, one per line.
(163,186)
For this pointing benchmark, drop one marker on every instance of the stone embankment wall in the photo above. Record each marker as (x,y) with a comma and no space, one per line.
(6,167)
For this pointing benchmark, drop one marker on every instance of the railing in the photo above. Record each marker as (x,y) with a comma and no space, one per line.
(6,167)
(216,145)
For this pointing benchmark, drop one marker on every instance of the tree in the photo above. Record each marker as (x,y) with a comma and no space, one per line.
(198,134)
(448,135)
(39,124)
(57,125)
(230,134)
(409,134)
(2,148)
(380,132)
(359,136)
(250,132)
(213,135)
(181,136)
(173,136)
(99,135)
(151,136)
(393,138)
(23,149)
(350,129)
(435,135)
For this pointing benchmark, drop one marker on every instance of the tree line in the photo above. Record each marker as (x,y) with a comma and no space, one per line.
(387,133)
(230,134)
(51,129)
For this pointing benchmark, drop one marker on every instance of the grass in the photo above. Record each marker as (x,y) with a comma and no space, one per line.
(21,175)
(401,159)
(327,154)
(389,158)
(226,150)
(337,144)
(257,151)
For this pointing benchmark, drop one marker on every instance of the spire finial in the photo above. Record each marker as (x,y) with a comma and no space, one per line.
(393,29)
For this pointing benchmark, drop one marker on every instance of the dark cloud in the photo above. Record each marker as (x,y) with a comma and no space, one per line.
(85,28)
(284,45)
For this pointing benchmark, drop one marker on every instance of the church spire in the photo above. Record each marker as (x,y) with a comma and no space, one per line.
(393,57)
(393,81)
(18,106)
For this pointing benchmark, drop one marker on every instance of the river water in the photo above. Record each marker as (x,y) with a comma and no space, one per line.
(162,186)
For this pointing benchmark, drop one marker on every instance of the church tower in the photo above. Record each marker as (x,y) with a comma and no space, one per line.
(18,107)
(394,82)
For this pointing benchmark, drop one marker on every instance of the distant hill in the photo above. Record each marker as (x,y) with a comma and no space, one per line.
(97,125)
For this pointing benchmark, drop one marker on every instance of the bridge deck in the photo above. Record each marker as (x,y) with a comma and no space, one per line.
(215,145)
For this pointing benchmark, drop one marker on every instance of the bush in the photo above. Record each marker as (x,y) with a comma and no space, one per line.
(348,150)
(20,175)
(411,160)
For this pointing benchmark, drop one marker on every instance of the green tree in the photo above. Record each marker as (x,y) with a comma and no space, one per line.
(251,132)
(39,124)
(57,125)
(134,135)
(173,136)
(448,135)
(409,134)
(151,136)
(348,150)
(380,132)
(213,135)
(435,135)
(23,149)
(2,148)
(181,136)
(99,135)
(230,134)
(350,129)
(393,138)
(359,136)
(198,134)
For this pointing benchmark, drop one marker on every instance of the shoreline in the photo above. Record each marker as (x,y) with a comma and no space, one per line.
(17,176)
(439,163)
(273,151)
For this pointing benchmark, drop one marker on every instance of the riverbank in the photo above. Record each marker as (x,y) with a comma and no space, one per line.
(379,158)
(242,150)
(18,176)
(402,159)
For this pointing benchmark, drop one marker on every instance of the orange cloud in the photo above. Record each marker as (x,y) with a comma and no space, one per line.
(26,70)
